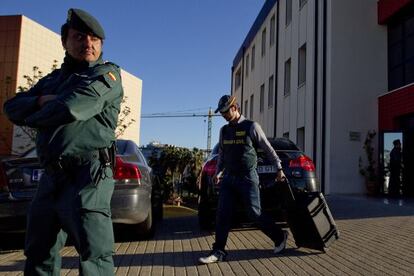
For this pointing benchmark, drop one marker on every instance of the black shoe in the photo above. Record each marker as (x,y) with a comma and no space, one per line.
(214,257)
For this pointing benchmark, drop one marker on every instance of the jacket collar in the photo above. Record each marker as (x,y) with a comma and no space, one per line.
(241,119)
(70,65)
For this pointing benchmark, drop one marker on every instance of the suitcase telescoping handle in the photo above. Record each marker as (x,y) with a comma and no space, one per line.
(287,191)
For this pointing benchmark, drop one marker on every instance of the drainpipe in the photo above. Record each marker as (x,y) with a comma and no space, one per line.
(231,80)
(242,81)
(275,79)
(323,163)
(315,87)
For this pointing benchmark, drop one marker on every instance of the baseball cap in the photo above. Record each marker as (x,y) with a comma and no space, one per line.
(225,103)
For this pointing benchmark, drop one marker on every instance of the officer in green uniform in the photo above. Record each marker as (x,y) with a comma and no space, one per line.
(75,111)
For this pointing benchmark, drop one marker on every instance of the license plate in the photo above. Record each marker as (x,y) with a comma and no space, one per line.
(267,169)
(37,174)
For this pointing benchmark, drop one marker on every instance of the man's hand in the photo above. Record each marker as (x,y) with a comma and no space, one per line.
(44,99)
(217,177)
(280,176)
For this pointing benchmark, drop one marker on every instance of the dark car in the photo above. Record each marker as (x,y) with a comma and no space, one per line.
(298,168)
(136,199)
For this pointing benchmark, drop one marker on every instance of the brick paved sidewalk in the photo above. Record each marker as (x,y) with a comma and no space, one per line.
(377,238)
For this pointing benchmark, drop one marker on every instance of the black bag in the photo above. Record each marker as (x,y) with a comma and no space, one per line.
(310,219)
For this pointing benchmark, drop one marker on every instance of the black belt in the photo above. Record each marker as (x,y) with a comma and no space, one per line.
(238,172)
(66,163)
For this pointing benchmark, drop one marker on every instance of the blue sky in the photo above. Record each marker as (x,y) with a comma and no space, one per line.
(181,49)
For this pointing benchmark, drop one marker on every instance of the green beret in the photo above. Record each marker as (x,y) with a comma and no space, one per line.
(84,22)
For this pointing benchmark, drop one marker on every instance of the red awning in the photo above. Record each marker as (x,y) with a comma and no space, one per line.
(387,8)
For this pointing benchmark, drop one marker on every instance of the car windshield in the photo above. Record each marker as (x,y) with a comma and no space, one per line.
(130,151)
(31,153)
(215,149)
(121,146)
(283,144)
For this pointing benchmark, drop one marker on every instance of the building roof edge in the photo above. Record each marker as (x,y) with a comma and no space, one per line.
(264,12)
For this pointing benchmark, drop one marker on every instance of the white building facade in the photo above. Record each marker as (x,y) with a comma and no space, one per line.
(311,70)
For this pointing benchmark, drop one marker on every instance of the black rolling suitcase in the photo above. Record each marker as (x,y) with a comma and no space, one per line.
(310,219)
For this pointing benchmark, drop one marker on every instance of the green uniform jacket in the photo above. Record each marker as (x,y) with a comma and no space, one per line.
(81,119)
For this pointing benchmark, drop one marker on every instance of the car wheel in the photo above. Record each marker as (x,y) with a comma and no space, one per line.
(158,212)
(157,206)
(157,199)
(147,227)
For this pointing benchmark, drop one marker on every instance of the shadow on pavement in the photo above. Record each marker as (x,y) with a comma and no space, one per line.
(176,228)
(175,259)
(10,242)
(358,207)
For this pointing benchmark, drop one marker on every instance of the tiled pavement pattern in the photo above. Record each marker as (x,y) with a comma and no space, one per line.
(377,238)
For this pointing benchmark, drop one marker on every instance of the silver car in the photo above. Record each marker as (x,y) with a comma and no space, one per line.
(135,201)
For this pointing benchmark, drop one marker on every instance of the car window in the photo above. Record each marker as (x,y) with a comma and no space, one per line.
(283,144)
(32,153)
(141,157)
(127,149)
(283,155)
(215,149)
(121,146)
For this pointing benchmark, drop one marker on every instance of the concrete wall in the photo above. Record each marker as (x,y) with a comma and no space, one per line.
(295,110)
(10,27)
(264,68)
(132,95)
(355,66)
(358,76)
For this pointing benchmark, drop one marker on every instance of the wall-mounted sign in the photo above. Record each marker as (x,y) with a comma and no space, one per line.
(354,136)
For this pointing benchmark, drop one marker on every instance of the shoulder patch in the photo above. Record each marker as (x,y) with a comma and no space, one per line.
(112,76)
(111,79)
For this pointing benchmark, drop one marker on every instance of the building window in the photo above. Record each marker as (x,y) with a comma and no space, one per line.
(272,30)
(253,56)
(270,93)
(287,78)
(286,135)
(400,50)
(302,65)
(251,106)
(246,106)
(262,91)
(237,79)
(302,3)
(263,42)
(288,12)
(247,65)
(300,138)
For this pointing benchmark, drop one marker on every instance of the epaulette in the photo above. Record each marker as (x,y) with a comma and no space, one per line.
(110,73)
(111,63)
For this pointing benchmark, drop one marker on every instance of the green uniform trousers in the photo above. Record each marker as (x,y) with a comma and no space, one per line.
(74,201)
